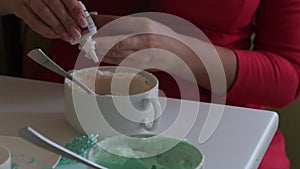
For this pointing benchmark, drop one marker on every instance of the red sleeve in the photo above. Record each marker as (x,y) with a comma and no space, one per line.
(270,74)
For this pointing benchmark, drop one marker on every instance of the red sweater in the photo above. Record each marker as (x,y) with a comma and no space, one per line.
(267,76)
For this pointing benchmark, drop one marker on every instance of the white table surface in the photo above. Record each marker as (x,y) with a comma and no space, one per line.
(239,141)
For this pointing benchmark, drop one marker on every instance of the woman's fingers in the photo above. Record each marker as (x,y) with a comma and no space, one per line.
(78,17)
(119,57)
(128,42)
(55,14)
(34,22)
(52,18)
(139,59)
(101,20)
(76,12)
(47,16)
(65,20)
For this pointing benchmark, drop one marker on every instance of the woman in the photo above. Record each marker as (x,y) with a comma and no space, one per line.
(267,75)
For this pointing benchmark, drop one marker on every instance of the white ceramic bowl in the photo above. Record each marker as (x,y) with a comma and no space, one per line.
(5,158)
(109,115)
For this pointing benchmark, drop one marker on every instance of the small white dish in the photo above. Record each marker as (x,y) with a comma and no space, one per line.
(28,156)
(5,157)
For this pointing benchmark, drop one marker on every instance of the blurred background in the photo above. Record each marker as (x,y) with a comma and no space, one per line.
(12,31)
(10,46)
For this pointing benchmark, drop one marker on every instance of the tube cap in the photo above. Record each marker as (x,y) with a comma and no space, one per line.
(89,48)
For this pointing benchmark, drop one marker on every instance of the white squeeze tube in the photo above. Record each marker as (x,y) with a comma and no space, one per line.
(85,42)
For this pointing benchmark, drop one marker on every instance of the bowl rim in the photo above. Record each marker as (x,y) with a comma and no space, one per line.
(153,79)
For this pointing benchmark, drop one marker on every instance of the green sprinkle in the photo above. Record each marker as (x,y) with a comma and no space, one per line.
(15,166)
(33,160)
(47,167)
(79,145)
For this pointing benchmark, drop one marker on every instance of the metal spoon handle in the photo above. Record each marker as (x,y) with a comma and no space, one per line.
(41,58)
(38,139)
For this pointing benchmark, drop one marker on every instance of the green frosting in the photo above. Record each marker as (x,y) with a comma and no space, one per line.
(79,145)
(145,153)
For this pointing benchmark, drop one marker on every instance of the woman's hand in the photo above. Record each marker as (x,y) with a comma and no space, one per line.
(147,44)
(51,18)
(131,35)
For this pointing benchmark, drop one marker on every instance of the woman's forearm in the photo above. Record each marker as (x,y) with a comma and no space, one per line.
(208,63)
